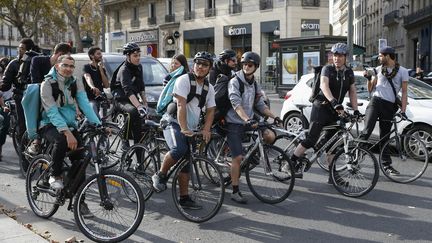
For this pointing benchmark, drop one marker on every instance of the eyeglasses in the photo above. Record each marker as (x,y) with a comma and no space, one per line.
(202,64)
(67,66)
(249,64)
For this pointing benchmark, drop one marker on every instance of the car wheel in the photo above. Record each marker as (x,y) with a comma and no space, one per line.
(424,132)
(295,122)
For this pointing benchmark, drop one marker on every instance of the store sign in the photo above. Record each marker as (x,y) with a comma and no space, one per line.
(310,25)
(235,30)
(143,36)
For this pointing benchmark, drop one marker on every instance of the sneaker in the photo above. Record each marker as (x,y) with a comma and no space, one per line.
(55,183)
(306,162)
(159,182)
(34,147)
(298,170)
(188,203)
(85,211)
(391,171)
(238,197)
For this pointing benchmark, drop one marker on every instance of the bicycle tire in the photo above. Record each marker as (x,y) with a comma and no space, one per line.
(276,171)
(410,159)
(212,148)
(15,139)
(358,176)
(39,169)
(108,210)
(202,190)
(24,158)
(142,174)
(110,144)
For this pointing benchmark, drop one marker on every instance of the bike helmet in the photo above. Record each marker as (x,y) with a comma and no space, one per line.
(226,54)
(340,48)
(203,55)
(251,57)
(130,47)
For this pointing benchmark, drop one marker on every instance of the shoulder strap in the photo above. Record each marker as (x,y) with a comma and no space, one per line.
(192,91)
(393,87)
(241,85)
(56,92)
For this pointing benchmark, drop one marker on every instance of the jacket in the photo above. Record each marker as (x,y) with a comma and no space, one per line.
(64,117)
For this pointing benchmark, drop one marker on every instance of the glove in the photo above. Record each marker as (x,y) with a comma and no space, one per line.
(252,123)
(404,116)
(277,120)
(336,105)
(142,111)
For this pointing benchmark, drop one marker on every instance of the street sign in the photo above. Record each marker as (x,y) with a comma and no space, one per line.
(382,43)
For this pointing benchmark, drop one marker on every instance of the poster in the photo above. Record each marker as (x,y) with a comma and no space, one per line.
(289,70)
(310,60)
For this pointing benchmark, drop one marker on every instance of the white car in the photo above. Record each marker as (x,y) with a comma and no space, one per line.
(418,109)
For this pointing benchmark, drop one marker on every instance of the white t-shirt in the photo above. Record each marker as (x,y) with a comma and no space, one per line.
(383,88)
(182,88)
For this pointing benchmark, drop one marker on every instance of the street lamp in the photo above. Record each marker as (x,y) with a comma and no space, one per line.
(10,39)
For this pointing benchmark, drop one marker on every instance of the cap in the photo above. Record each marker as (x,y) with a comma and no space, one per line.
(387,50)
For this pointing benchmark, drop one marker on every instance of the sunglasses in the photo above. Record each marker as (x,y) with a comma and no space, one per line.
(202,64)
(249,64)
(67,65)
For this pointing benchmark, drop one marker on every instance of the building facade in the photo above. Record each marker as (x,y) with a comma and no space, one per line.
(167,27)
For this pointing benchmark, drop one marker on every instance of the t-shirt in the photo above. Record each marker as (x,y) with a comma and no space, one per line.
(182,88)
(383,88)
(339,81)
(95,76)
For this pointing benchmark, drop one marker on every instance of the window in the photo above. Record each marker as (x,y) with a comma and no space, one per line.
(135,13)
(311,3)
(189,5)
(152,10)
(210,8)
(235,7)
(170,7)
(211,4)
(117,16)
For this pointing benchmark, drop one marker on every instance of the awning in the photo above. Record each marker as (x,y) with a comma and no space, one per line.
(358,50)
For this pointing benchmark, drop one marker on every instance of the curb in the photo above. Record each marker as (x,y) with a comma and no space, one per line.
(13,231)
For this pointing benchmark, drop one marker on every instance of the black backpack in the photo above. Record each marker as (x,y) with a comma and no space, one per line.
(23,75)
(223,103)
(316,83)
(113,81)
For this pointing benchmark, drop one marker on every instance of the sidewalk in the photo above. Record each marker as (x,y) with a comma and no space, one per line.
(11,232)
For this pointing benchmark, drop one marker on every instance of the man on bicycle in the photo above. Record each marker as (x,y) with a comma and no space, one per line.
(226,65)
(127,90)
(183,119)
(388,79)
(58,124)
(240,116)
(336,80)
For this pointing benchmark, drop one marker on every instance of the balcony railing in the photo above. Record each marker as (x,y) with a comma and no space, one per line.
(117,25)
(135,23)
(169,18)
(235,8)
(391,18)
(188,15)
(420,15)
(210,12)
(151,20)
(266,4)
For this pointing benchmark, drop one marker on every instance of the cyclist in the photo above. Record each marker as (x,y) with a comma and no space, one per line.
(226,65)
(388,80)
(58,124)
(336,80)
(94,77)
(180,121)
(242,113)
(128,88)
(176,62)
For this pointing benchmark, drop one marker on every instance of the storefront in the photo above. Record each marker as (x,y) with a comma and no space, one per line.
(115,41)
(147,40)
(269,33)
(198,40)
(240,37)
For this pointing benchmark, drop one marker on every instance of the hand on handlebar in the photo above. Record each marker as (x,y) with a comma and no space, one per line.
(277,121)
(252,123)
(404,115)
(142,111)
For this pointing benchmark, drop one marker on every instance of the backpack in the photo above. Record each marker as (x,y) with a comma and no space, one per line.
(113,81)
(31,103)
(171,108)
(223,103)
(23,75)
(316,83)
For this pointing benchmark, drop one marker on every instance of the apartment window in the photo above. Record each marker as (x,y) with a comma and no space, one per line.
(211,4)
(235,7)
(189,11)
(170,7)
(135,13)
(152,14)
(313,3)
(210,8)
(117,16)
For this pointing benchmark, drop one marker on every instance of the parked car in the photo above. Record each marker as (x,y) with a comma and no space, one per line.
(165,61)
(418,110)
(428,78)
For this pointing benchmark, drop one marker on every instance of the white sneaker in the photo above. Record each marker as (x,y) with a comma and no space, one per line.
(55,184)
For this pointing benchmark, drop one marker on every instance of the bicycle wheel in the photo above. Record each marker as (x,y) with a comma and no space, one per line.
(24,157)
(354,174)
(114,218)
(217,150)
(16,140)
(110,144)
(271,181)
(407,154)
(140,163)
(42,200)
(204,192)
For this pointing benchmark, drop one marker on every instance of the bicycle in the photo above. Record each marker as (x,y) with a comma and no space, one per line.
(354,170)
(264,165)
(207,191)
(115,200)
(14,126)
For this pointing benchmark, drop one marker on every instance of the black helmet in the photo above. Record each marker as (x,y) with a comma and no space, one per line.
(226,54)
(340,48)
(251,57)
(203,55)
(130,47)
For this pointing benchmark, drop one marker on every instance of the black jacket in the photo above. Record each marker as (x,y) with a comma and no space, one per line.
(219,67)
(129,80)
(10,78)
(40,66)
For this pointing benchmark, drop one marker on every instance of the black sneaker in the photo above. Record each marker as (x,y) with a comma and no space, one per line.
(306,162)
(188,203)
(392,171)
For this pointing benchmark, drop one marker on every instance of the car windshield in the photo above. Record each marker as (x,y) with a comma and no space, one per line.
(154,73)
(419,90)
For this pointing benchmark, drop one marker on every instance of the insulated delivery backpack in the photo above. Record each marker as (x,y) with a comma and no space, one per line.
(31,103)
(23,76)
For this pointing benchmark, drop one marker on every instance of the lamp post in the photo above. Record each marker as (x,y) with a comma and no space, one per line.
(10,39)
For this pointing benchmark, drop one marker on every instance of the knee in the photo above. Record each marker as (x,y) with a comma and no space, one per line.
(60,141)
(178,152)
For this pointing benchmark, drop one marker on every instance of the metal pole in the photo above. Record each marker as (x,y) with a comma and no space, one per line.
(10,39)
(350,31)
(103,24)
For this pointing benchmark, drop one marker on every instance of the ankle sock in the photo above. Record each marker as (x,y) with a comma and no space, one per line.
(235,189)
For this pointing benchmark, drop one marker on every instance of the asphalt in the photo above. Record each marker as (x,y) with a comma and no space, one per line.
(12,231)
